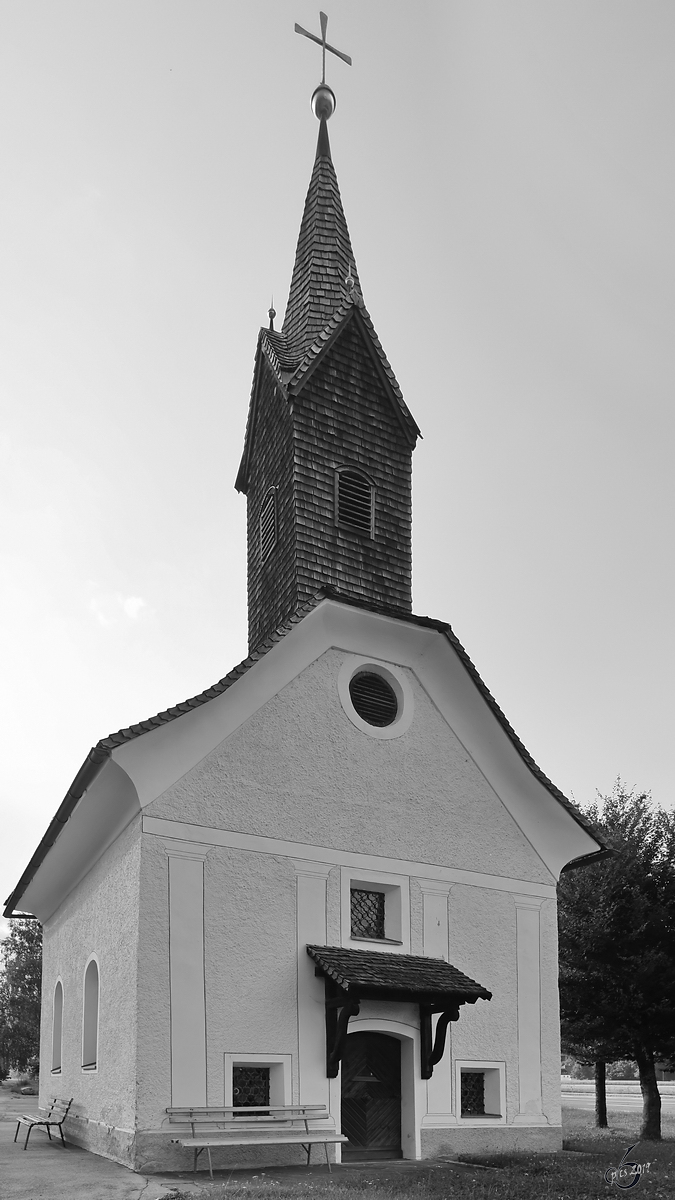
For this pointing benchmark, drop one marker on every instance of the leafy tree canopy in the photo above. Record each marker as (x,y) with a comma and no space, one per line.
(617,943)
(20,986)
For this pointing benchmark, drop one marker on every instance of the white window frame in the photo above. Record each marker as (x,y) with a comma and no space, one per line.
(280,1075)
(92,1070)
(355,664)
(396,890)
(495,1091)
(57,1070)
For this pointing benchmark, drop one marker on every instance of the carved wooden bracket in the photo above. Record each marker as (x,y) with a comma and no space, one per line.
(339,1008)
(432,1054)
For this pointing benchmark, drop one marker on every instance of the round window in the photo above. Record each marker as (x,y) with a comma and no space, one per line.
(373,698)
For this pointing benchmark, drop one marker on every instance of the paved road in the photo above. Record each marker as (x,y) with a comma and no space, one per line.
(616,1102)
(45,1171)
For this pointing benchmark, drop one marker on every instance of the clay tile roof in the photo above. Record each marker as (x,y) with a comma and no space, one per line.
(372,971)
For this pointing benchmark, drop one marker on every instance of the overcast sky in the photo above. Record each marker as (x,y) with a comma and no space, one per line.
(508,179)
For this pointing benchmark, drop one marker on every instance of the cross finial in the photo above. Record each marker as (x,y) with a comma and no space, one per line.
(321,41)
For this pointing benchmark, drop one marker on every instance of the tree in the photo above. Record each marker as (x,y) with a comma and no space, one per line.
(20,985)
(617,947)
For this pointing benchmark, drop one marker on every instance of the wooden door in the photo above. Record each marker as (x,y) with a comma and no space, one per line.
(371,1097)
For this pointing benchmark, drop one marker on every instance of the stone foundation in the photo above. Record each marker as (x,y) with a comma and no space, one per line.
(502,1139)
(106,1140)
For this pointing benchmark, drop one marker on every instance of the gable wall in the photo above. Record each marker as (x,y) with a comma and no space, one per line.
(343,416)
(299,770)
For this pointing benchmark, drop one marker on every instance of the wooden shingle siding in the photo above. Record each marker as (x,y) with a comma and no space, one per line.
(323,260)
(344,418)
(272,585)
(325,399)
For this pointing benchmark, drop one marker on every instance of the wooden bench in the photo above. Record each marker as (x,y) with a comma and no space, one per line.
(58,1111)
(273,1125)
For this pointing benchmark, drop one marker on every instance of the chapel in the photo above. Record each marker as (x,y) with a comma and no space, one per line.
(329,879)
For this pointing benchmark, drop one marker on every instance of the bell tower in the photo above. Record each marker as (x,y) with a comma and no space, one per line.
(326,467)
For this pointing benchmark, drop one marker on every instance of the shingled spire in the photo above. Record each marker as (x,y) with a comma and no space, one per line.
(326,466)
(325,269)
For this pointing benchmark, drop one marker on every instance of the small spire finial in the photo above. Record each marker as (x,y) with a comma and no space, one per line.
(272,312)
(323,99)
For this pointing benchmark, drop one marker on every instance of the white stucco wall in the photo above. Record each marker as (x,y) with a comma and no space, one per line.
(299,771)
(154,1010)
(100,916)
(250,959)
(419,796)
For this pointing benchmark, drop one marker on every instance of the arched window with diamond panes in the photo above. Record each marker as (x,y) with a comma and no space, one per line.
(268,524)
(354,500)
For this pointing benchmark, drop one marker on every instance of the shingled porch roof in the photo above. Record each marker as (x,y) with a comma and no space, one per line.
(373,974)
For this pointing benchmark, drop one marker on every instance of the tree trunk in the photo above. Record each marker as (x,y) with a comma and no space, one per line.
(651,1098)
(600,1095)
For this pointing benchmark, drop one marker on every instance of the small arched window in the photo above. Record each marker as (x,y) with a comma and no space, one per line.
(90,1017)
(268,524)
(354,500)
(57,1027)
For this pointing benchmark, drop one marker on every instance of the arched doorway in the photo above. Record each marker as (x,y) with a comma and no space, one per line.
(371,1097)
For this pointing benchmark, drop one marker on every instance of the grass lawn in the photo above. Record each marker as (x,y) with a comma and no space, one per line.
(576,1174)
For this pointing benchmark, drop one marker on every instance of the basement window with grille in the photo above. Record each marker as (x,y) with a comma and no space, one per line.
(481,1091)
(250,1087)
(268,524)
(256,1080)
(354,501)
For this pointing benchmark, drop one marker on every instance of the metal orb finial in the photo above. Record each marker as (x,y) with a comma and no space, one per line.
(323,102)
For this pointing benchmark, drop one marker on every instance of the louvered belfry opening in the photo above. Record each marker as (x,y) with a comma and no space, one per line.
(268,524)
(373,698)
(355,501)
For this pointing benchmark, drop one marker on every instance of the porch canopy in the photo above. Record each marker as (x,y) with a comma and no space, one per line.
(355,975)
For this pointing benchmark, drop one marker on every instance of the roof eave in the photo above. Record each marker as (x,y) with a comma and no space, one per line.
(91,767)
(587,860)
(266,352)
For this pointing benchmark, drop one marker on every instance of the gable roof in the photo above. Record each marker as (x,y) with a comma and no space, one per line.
(292,374)
(102,751)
